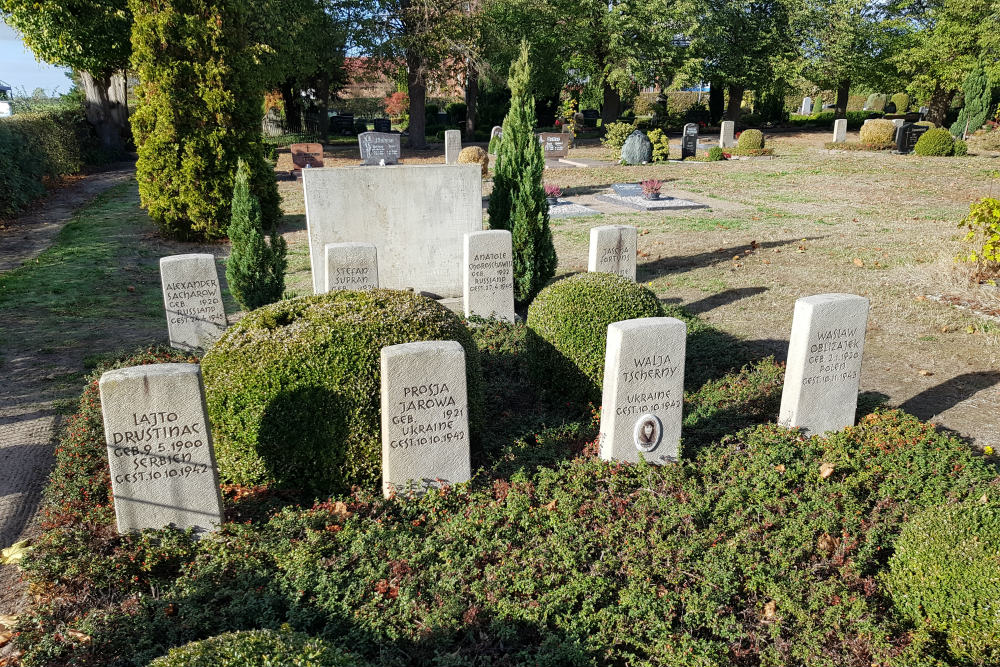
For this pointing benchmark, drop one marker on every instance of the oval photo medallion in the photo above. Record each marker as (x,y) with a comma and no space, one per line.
(647,433)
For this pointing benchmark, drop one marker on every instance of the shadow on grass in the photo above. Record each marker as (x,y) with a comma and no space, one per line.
(292,223)
(949,393)
(676,264)
(723,298)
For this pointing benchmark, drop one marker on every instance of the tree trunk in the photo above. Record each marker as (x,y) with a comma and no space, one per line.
(843,93)
(735,102)
(612,106)
(716,101)
(938,106)
(471,95)
(418,99)
(323,102)
(293,107)
(106,107)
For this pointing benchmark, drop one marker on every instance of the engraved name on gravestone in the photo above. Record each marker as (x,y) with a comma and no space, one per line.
(727,138)
(555,144)
(689,142)
(192,298)
(824,362)
(840,130)
(307,155)
(160,452)
(452,146)
(489,275)
(382,125)
(642,400)
(378,146)
(351,266)
(613,249)
(425,421)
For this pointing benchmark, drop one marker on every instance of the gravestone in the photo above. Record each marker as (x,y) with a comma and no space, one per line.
(727,135)
(425,421)
(807,105)
(613,250)
(637,149)
(160,451)
(382,125)
(351,266)
(923,111)
(342,125)
(907,137)
(555,144)
(378,146)
(192,298)
(489,275)
(840,130)
(643,395)
(590,117)
(307,155)
(689,141)
(898,122)
(452,146)
(497,131)
(416,215)
(824,363)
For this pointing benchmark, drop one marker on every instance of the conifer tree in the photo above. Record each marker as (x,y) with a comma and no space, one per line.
(255,269)
(518,199)
(978,103)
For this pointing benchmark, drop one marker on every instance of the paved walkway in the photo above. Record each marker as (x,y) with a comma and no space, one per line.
(28,420)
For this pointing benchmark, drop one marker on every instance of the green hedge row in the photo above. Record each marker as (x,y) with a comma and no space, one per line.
(855,119)
(37,147)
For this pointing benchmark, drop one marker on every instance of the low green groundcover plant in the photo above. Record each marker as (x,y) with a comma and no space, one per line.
(293,387)
(761,548)
(258,648)
(945,577)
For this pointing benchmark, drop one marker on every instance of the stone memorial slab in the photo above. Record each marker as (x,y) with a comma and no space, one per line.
(383,125)
(489,275)
(807,105)
(907,137)
(643,395)
(640,203)
(727,138)
(192,297)
(377,147)
(307,155)
(689,142)
(342,125)
(627,189)
(840,130)
(416,215)
(425,420)
(590,117)
(824,363)
(613,250)
(555,144)
(452,146)
(497,131)
(160,451)
(351,266)
(567,209)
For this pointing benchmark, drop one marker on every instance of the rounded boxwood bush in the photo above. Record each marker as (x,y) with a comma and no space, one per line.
(878,132)
(961,148)
(945,577)
(935,142)
(257,648)
(750,140)
(475,155)
(293,387)
(568,328)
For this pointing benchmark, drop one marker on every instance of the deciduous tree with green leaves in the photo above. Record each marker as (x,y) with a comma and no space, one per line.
(518,199)
(255,269)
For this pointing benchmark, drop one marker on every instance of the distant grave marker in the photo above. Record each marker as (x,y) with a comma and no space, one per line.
(613,250)
(555,144)
(377,147)
(489,275)
(351,266)
(383,125)
(727,134)
(452,146)
(307,155)
(840,130)
(689,142)
(192,298)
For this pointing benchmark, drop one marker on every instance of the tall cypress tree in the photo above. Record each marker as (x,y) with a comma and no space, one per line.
(978,97)
(518,199)
(255,269)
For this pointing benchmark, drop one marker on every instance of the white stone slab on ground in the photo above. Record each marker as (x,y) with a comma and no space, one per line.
(568,209)
(642,204)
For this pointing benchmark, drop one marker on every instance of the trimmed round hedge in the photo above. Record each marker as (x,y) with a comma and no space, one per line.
(257,648)
(877,132)
(568,328)
(945,577)
(475,155)
(293,388)
(750,140)
(937,141)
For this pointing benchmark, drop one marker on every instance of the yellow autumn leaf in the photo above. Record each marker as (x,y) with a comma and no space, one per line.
(14,553)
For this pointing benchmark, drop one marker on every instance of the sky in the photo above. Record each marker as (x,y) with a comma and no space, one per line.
(19,68)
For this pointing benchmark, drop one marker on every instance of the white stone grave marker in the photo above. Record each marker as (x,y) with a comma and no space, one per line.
(643,394)
(824,363)
(192,298)
(425,416)
(613,250)
(807,105)
(840,130)
(452,146)
(163,467)
(727,135)
(351,266)
(489,275)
